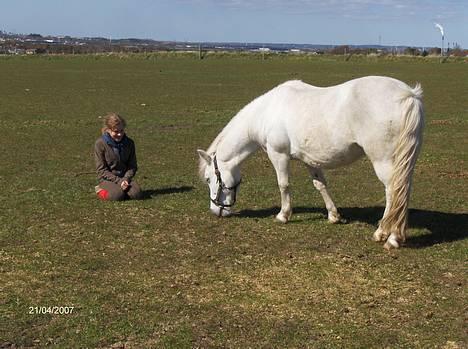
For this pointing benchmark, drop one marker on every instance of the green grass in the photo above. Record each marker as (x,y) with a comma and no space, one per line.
(163,272)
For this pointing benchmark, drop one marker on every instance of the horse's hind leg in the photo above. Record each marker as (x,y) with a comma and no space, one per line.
(280,162)
(321,185)
(380,234)
(383,171)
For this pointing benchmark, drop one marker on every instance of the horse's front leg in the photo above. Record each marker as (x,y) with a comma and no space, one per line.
(280,162)
(321,185)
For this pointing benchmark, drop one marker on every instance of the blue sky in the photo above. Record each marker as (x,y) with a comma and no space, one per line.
(336,22)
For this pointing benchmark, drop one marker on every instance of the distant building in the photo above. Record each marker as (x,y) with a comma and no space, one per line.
(16,51)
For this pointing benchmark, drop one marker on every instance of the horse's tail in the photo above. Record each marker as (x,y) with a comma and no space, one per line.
(404,160)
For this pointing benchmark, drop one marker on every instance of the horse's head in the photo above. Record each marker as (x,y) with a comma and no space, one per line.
(223,181)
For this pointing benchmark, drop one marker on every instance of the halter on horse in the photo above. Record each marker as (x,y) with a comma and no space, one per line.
(221,188)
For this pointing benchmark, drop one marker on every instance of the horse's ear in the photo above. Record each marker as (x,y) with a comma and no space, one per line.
(205,156)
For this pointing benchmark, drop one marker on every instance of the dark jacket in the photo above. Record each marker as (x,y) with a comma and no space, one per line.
(113,165)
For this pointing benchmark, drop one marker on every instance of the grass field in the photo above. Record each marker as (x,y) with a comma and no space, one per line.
(163,272)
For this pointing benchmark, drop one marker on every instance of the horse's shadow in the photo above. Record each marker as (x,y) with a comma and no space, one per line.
(443,227)
(149,193)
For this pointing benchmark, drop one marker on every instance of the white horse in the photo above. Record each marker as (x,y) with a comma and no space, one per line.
(325,128)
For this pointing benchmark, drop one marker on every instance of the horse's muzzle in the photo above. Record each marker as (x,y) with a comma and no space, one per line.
(220,212)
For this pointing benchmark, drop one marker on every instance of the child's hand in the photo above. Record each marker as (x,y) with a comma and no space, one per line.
(124,185)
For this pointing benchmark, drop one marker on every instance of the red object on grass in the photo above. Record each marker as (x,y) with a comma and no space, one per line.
(103,194)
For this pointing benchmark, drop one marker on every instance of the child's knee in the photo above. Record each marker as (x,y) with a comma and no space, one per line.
(117,195)
(113,195)
(135,192)
(110,192)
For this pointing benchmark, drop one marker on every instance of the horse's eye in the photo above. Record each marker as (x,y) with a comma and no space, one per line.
(208,180)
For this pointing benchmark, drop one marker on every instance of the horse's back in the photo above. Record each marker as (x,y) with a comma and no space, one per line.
(330,126)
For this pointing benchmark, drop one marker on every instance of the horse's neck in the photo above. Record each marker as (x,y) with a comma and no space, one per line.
(236,144)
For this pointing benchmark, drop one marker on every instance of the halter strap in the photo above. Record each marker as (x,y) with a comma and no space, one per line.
(222,186)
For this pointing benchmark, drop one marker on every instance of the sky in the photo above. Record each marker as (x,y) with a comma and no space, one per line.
(329,22)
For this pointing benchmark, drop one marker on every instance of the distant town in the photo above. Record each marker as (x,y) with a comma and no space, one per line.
(32,44)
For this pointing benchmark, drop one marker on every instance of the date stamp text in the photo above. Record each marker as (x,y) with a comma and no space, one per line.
(53,310)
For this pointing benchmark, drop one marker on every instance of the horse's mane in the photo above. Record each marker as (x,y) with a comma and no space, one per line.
(244,113)
(211,150)
(214,146)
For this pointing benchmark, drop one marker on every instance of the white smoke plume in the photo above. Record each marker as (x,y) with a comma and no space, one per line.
(440,28)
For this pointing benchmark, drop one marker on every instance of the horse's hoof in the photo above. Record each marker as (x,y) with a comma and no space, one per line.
(335,218)
(281,218)
(391,243)
(379,235)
